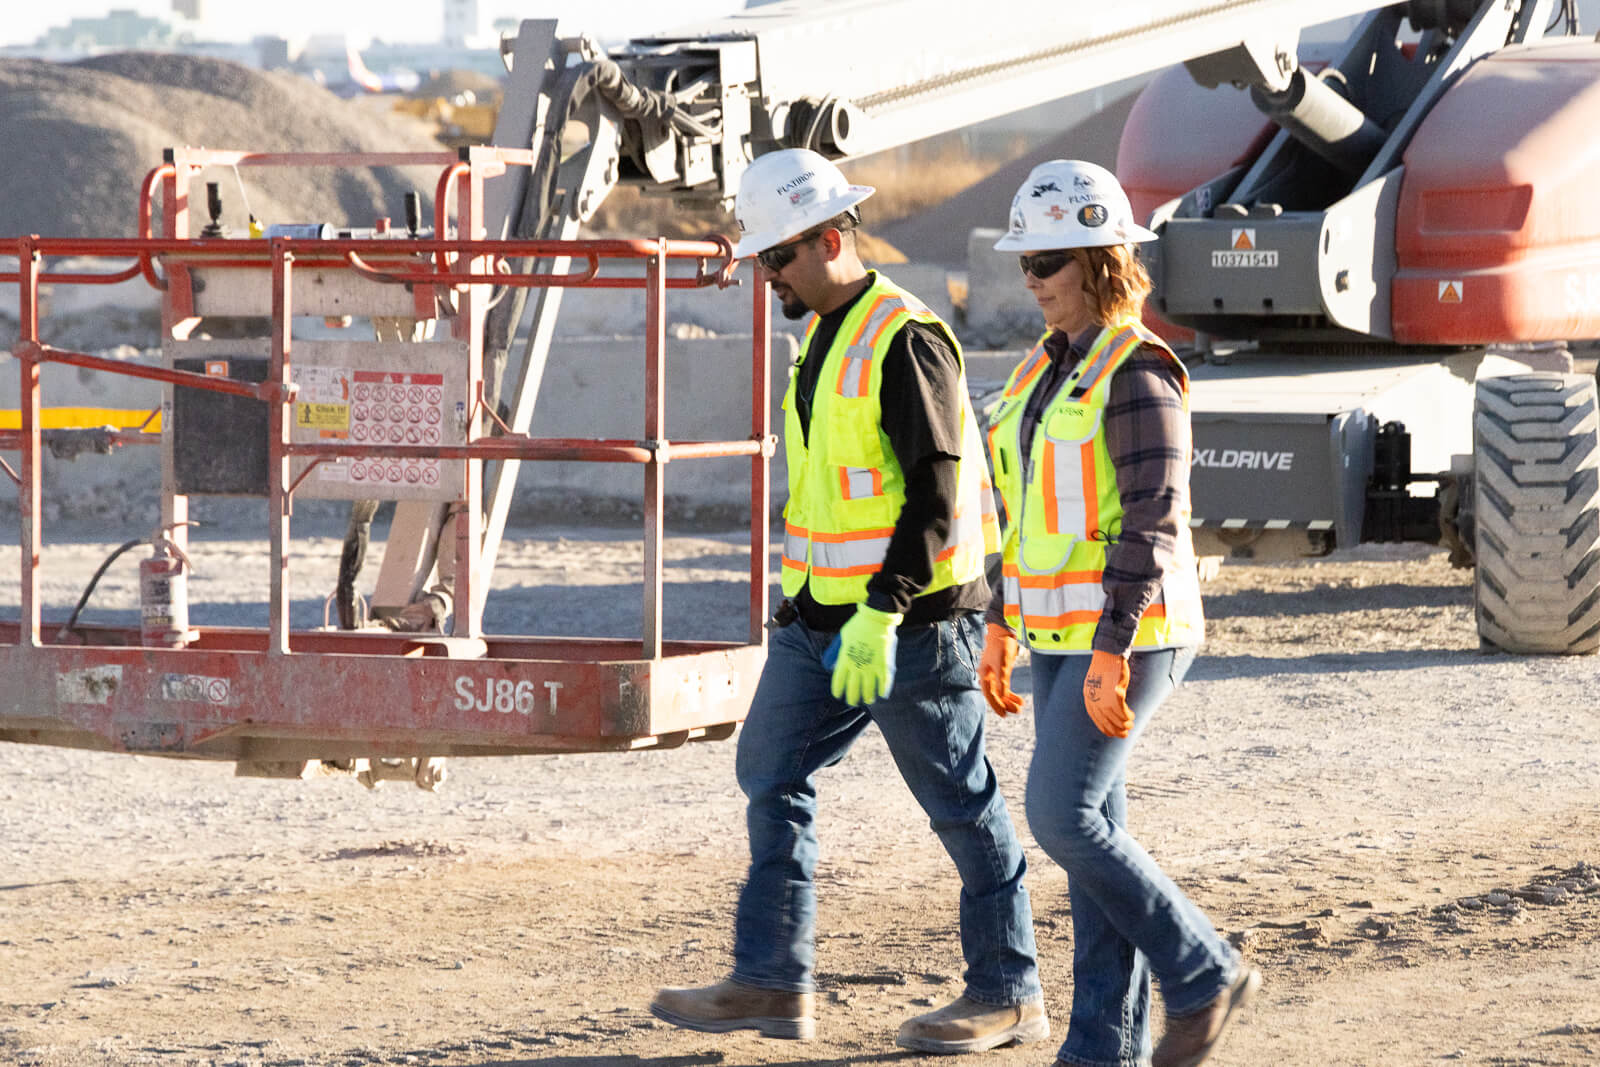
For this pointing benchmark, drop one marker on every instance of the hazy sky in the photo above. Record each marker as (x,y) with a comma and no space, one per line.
(408,20)
(392,20)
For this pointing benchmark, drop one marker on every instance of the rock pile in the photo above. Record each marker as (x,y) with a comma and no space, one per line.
(80,138)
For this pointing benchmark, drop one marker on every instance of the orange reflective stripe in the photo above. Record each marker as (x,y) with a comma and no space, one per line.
(1082,616)
(1058,579)
(1091,491)
(846,572)
(1059,622)
(1051,506)
(1035,363)
(819,537)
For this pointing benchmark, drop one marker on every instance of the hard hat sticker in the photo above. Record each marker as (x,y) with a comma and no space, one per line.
(1093,215)
(1045,187)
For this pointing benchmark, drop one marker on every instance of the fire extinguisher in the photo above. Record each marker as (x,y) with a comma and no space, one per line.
(164,594)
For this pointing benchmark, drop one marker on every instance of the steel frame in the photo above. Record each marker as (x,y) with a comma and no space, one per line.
(275,695)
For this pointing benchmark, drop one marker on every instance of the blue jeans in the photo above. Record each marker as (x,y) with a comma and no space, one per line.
(933,723)
(1128,919)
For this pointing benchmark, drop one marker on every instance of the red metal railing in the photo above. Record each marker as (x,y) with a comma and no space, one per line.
(391,260)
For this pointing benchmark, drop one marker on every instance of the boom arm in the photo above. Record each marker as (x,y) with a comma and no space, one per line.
(859,76)
(683,114)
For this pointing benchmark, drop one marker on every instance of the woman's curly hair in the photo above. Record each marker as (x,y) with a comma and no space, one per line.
(1115,282)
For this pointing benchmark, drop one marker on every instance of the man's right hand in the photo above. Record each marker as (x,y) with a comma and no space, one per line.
(994,672)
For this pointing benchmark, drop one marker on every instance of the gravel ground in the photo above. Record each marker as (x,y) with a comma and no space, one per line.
(1398,829)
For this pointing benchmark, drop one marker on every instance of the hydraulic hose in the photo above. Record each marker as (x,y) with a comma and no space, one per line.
(636,103)
(351,558)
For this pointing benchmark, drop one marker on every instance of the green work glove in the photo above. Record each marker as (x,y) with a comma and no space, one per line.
(863,656)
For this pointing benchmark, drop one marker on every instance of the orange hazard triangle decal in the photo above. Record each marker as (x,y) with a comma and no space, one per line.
(1450,292)
(1244,239)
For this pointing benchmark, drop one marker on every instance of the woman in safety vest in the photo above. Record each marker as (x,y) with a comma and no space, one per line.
(1091,448)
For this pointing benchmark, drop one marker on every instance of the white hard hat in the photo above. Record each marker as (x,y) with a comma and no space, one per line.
(787,192)
(1067,203)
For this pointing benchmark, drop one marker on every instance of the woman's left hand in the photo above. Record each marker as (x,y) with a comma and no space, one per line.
(1105,694)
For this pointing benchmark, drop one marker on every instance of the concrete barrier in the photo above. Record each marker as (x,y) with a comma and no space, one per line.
(1000,312)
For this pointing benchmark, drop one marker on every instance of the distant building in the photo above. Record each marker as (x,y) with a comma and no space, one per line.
(193,10)
(464,25)
(118,30)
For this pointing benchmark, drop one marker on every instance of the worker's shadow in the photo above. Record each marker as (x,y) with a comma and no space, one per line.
(699,1059)
(1214,668)
(1335,599)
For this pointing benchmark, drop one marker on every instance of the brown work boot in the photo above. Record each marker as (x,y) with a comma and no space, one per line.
(731,1005)
(966,1026)
(1190,1039)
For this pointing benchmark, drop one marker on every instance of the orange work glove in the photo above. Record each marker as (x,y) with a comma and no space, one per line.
(1105,694)
(994,671)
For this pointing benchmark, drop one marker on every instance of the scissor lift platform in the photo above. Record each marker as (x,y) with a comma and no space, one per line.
(274,697)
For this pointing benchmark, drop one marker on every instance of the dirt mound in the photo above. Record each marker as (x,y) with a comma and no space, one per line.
(84,135)
(939,235)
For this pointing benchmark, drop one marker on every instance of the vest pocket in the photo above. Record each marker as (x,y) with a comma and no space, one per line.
(1072,423)
(853,437)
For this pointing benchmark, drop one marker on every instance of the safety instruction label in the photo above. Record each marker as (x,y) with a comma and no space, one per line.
(322,416)
(323,403)
(195,689)
(393,408)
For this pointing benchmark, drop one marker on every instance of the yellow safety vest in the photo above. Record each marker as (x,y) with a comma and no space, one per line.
(846,487)
(1063,509)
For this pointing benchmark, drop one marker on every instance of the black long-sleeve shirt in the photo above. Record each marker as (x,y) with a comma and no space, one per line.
(920,401)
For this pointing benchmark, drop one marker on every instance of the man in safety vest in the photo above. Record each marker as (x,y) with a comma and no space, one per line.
(890,516)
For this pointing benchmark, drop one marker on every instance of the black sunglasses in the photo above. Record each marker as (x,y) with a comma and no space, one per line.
(1043,264)
(780,256)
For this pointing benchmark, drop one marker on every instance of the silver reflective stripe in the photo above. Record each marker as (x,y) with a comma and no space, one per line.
(1025,372)
(971,513)
(1062,600)
(967,527)
(861,482)
(1072,512)
(794,547)
(857,371)
(1099,356)
(831,556)
(876,321)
